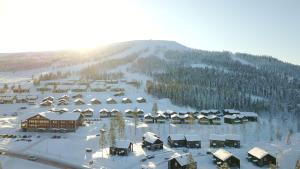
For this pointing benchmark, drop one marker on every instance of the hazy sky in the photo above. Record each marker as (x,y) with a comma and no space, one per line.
(269,27)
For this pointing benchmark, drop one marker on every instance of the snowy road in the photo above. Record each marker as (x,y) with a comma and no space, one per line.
(42,160)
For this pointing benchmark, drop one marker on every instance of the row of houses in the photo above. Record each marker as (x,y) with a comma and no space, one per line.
(222,140)
(180,140)
(11,99)
(223,158)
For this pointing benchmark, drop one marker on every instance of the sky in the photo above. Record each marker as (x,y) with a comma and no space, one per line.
(263,27)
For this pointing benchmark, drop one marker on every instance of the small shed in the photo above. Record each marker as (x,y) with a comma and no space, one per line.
(129,113)
(126,100)
(176,140)
(193,141)
(148,118)
(79,101)
(47,103)
(111,101)
(95,101)
(141,100)
(216,140)
(222,156)
(184,161)
(232,119)
(260,157)
(88,112)
(121,148)
(160,118)
(203,119)
(104,113)
(152,142)
(213,119)
(115,112)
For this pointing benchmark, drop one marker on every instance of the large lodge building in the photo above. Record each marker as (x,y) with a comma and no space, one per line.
(50,121)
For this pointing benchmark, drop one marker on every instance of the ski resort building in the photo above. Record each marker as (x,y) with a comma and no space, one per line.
(50,121)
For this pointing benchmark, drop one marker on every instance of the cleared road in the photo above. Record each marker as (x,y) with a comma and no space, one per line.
(42,160)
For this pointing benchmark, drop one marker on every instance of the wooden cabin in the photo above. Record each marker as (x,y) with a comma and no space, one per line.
(233,119)
(115,112)
(187,119)
(184,161)
(64,97)
(126,100)
(251,116)
(31,97)
(202,119)
(169,113)
(21,99)
(77,111)
(152,142)
(49,98)
(230,112)
(140,113)
(260,157)
(46,103)
(95,101)
(104,113)
(7,99)
(176,119)
(141,100)
(160,118)
(216,141)
(49,121)
(176,140)
(79,101)
(119,94)
(148,118)
(88,112)
(215,120)
(121,148)
(77,96)
(222,156)
(63,110)
(129,113)
(63,102)
(111,101)
(192,141)
(232,140)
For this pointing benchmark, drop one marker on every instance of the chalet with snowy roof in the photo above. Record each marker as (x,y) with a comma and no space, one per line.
(222,156)
(152,142)
(148,118)
(251,116)
(232,140)
(104,113)
(160,118)
(260,157)
(176,140)
(213,119)
(77,96)
(79,101)
(21,90)
(49,98)
(129,113)
(121,148)
(46,103)
(230,112)
(115,113)
(141,100)
(216,140)
(77,111)
(6,99)
(187,119)
(234,119)
(63,102)
(88,112)
(95,101)
(140,113)
(126,100)
(50,121)
(184,161)
(169,113)
(64,97)
(202,119)
(111,101)
(209,112)
(63,110)
(192,141)
(176,119)
(119,94)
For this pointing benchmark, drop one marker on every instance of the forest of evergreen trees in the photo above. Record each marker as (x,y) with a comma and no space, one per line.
(224,82)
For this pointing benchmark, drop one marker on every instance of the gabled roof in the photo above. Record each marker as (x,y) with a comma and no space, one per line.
(110,99)
(258,152)
(58,116)
(128,110)
(103,110)
(140,98)
(222,154)
(249,114)
(183,159)
(232,111)
(114,110)
(122,144)
(177,137)
(150,138)
(232,137)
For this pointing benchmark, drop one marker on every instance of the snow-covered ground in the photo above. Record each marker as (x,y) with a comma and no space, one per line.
(268,133)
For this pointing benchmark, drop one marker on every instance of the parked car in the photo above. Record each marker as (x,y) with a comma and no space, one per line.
(32,158)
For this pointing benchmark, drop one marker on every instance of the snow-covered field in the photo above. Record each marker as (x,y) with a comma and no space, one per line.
(268,133)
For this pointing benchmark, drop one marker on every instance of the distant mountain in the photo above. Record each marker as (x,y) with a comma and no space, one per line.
(197,78)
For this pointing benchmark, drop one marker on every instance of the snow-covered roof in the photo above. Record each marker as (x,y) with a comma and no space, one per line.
(114,110)
(249,114)
(148,115)
(174,116)
(232,137)
(170,112)
(122,144)
(177,137)
(183,159)
(128,110)
(89,109)
(77,110)
(140,98)
(192,138)
(58,116)
(149,133)
(125,99)
(78,100)
(232,111)
(103,110)
(212,117)
(258,152)
(201,116)
(150,138)
(222,154)
(94,99)
(109,99)
(234,116)
(217,137)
